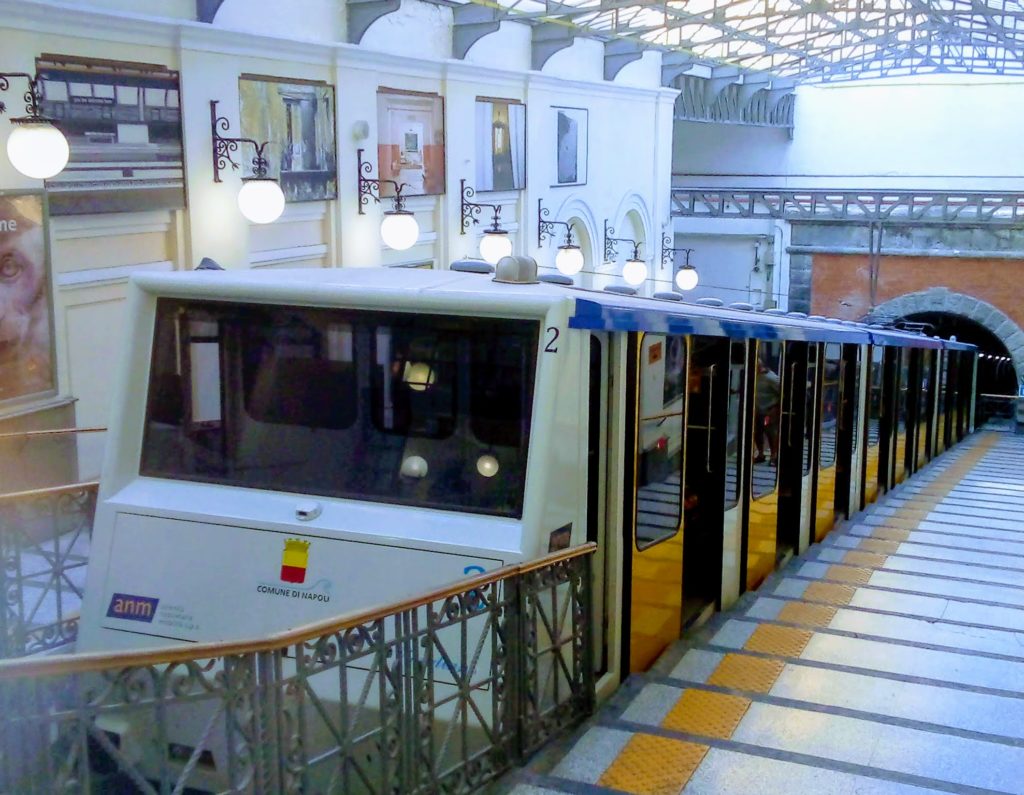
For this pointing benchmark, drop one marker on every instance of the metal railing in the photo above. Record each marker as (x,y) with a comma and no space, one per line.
(439,694)
(44,548)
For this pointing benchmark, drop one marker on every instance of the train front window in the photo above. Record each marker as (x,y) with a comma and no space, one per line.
(388,407)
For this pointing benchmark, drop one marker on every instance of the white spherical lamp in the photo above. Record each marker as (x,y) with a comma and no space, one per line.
(686,278)
(569,260)
(415,466)
(634,272)
(487,465)
(494,245)
(399,230)
(261,200)
(418,376)
(37,149)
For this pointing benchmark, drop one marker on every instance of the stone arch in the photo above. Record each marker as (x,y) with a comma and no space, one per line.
(942,299)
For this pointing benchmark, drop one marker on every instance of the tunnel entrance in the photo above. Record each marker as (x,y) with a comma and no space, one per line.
(997,379)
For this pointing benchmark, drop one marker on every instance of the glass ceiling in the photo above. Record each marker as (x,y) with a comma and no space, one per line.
(807,40)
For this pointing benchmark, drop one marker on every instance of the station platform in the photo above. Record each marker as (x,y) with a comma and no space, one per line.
(887,659)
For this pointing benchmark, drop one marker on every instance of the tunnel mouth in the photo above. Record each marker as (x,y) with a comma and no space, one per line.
(997,379)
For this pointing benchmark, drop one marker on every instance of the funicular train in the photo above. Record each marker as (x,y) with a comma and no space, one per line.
(292,445)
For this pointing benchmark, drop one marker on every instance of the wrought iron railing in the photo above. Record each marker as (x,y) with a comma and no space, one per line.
(436,695)
(44,547)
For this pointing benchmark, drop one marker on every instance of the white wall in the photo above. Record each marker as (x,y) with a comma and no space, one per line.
(410,49)
(934,133)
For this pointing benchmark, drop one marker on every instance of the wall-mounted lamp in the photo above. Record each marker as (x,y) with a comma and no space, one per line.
(569,259)
(36,148)
(399,229)
(686,278)
(260,199)
(496,242)
(635,270)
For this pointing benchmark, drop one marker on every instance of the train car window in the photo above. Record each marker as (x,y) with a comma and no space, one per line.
(830,395)
(733,421)
(386,407)
(809,413)
(875,394)
(767,419)
(659,453)
(854,398)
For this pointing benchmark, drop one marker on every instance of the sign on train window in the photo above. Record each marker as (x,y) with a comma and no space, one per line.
(389,407)
(659,437)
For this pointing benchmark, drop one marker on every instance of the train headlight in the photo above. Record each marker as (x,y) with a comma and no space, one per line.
(634,272)
(487,465)
(261,200)
(37,149)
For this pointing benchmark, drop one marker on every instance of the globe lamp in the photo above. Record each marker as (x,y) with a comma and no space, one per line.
(261,200)
(494,245)
(569,260)
(686,278)
(37,149)
(399,229)
(634,272)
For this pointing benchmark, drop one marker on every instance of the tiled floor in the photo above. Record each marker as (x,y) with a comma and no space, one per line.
(888,659)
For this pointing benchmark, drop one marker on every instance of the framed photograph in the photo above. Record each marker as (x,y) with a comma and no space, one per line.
(26,300)
(297,117)
(410,142)
(500,144)
(123,123)
(571,144)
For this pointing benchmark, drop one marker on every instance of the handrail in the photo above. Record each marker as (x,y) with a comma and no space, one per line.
(50,432)
(98,661)
(48,490)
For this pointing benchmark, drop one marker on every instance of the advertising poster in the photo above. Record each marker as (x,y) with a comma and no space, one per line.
(26,304)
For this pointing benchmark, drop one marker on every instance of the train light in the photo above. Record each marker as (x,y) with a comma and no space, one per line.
(399,230)
(487,465)
(415,466)
(261,200)
(418,376)
(569,260)
(634,272)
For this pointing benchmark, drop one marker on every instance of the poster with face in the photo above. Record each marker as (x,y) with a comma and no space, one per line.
(26,309)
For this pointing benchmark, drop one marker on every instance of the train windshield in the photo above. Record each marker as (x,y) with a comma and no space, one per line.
(413,409)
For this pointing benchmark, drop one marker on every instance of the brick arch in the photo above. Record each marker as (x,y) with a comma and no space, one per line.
(942,299)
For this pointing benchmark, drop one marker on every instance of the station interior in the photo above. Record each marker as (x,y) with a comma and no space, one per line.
(823,160)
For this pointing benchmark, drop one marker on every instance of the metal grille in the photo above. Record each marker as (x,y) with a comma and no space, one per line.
(440,696)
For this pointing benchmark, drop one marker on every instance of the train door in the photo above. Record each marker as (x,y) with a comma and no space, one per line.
(941,439)
(653,546)
(737,436)
(597,496)
(902,391)
(965,394)
(811,436)
(846,423)
(762,548)
(952,404)
(791,447)
(972,390)
(828,412)
(926,409)
(914,414)
(875,413)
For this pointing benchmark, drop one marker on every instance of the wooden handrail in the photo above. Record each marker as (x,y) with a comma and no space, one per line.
(25,667)
(49,490)
(49,432)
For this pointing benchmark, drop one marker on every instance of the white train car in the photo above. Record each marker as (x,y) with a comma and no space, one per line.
(288,446)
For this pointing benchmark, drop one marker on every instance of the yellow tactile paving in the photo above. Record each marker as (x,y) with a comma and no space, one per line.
(652,765)
(707,713)
(741,672)
(843,573)
(830,593)
(867,559)
(879,545)
(783,641)
(807,614)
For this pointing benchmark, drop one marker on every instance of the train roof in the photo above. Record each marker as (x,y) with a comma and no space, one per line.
(445,291)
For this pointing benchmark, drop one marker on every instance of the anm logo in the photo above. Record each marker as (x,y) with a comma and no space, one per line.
(133,608)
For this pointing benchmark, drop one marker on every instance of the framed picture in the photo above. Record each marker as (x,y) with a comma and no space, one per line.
(571,146)
(297,117)
(123,124)
(410,142)
(26,300)
(500,144)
